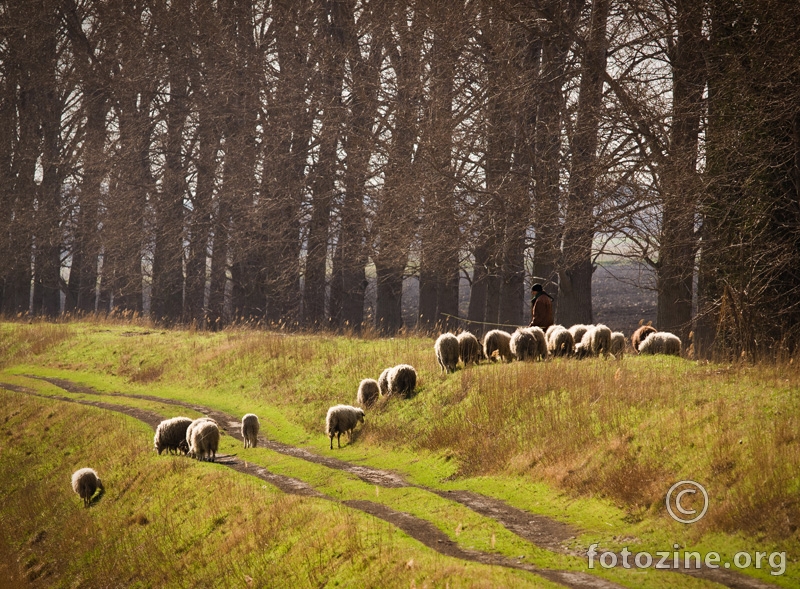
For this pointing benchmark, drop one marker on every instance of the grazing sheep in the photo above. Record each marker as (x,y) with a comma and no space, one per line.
(342,419)
(170,433)
(204,440)
(560,342)
(639,335)
(582,351)
(192,427)
(85,482)
(383,381)
(578,331)
(523,345)
(469,348)
(250,427)
(551,329)
(498,341)
(597,340)
(617,344)
(541,342)
(368,392)
(402,380)
(447,352)
(661,342)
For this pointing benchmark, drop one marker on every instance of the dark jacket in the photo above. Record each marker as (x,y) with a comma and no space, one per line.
(542,311)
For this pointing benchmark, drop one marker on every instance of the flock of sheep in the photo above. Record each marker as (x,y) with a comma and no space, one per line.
(199,438)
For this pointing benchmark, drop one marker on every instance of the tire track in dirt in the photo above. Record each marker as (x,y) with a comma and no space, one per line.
(421,530)
(540,530)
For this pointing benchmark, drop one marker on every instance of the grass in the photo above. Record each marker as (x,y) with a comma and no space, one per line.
(594,443)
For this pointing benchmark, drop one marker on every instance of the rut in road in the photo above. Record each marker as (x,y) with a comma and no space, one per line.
(540,530)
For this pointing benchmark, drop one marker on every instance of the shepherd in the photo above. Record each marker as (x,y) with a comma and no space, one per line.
(541,308)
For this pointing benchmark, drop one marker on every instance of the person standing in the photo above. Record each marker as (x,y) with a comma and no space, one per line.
(541,308)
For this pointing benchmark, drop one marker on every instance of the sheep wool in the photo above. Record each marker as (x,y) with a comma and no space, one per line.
(560,342)
(498,341)
(250,427)
(661,342)
(617,344)
(170,433)
(368,392)
(446,348)
(578,331)
(402,380)
(342,419)
(383,381)
(204,441)
(540,351)
(469,348)
(597,340)
(640,334)
(85,482)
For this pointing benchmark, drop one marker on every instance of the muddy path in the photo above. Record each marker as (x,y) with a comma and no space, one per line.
(540,530)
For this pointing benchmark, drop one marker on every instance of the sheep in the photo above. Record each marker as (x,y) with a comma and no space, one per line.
(661,342)
(551,329)
(498,341)
(578,332)
(85,482)
(640,334)
(560,342)
(204,440)
(250,427)
(342,419)
(617,344)
(523,344)
(402,380)
(368,392)
(192,427)
(170,433)
(383,381)
(596,340)
(447,352)
(582,350)
(541,342)
(469,348)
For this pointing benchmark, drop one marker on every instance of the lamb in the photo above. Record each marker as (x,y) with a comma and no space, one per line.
(447,352)
(617,344)
(578,331)
(402,380)
(368,392)
(596,340)
(661,342)
(342,419)
(560,342)
(170,433)
(469,348)
(498,341)
(383,381)
(640,334)
(85,482)
(250,427)
(204,440)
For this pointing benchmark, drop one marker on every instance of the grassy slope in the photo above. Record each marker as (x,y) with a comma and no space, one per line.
(544,437)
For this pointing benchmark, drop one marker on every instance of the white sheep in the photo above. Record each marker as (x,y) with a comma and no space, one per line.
(469,348)
(638,336)
(85,482)
(170,433)
(446,348)
(203,439)
(551,329)
(402,380)
(560,342)
(250,427)
(498,341)
(596,340)
(368,392)
(661,342)
(541,342)
(383,381)
(578,331)
(617,344)
(342,419)
(528,344)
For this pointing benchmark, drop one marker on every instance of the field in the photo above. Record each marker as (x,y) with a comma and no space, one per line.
(495,476)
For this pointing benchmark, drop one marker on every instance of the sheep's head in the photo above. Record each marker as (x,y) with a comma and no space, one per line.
(183,447)
(361,415)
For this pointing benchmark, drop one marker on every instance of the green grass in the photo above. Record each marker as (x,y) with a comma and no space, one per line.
(594,443)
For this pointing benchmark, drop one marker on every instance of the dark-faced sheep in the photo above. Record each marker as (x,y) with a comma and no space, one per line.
(446,348)
(639,335)
(342,419)
(661,342)
(170,433)
(85,482)
(368,392)
(498,341)
(204,441)
(618,344)
(469,348)
(383,381)
(560,342)
(402,380)
(250,428)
